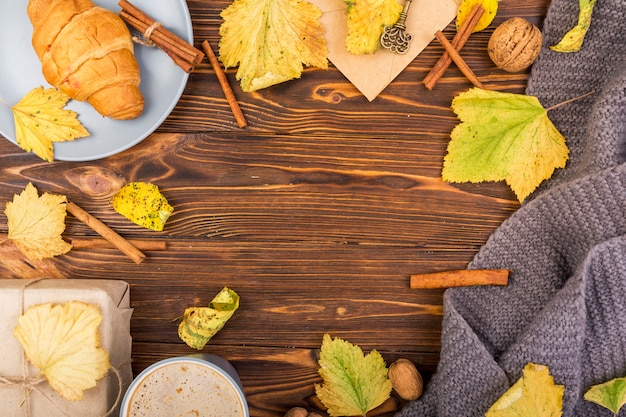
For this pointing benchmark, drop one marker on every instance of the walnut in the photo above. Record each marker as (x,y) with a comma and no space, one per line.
(405,379)
(297,412)
(514,45)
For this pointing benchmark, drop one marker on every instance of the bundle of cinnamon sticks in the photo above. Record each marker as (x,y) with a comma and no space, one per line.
(182,53)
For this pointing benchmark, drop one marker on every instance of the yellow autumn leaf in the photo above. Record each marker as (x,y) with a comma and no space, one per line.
(200,324)
(463,12)
(366,22)
(40,121)
(63,341)
(36,223)
(271,41)
(573,40)
(143,204)
(534,395)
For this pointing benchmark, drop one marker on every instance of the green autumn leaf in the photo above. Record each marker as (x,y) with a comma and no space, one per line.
(534,395)
(143,204)
(366,22)
(610,395)
(200,324)
(271,40)
(503,136)
(572,41)
(353,383)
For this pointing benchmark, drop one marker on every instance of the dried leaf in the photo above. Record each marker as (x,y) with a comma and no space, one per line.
(40,120)
(534,395)
(463,12)
(271,40)
(353,383)
(36,223)
(143,204)
(503,136)
(573,40)
(610,395)
(200,324)
(366,22)
(63,342)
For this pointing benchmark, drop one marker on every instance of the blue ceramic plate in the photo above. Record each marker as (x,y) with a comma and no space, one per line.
(162,81)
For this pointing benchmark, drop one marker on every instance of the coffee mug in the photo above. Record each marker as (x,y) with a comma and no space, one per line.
(202,385)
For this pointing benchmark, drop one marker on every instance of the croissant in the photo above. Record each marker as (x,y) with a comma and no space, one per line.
(87,52)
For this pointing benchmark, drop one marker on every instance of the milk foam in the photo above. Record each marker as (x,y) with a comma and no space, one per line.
(185,389)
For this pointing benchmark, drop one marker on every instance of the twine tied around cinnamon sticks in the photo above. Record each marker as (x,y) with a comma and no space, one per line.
(30,384)
(146,39)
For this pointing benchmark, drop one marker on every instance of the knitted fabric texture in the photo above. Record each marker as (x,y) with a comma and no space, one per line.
(565,305)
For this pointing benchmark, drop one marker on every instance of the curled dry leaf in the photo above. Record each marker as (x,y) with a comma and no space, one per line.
(200,324)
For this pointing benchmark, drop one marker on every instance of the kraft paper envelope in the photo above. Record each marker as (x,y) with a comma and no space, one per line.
(371,73)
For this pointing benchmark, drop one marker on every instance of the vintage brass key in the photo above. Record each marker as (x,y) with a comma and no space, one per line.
(395,38)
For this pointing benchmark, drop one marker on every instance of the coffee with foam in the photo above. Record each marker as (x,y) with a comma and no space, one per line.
(184,388)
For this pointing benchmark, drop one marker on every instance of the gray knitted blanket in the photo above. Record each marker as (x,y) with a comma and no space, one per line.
(565,305)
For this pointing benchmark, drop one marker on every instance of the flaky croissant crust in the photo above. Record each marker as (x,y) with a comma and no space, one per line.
(87,52)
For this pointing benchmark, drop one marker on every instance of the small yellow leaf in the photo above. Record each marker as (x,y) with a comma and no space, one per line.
(534,395)
(366,22)
(36,223)
(271,40)
(200,324)
(143,204)
(64,343)
(573,40)
(463,12)
(40,120)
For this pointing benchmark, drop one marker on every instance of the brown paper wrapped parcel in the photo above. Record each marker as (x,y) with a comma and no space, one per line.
(113,299)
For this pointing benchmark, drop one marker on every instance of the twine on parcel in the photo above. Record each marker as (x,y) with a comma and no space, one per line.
(30,384)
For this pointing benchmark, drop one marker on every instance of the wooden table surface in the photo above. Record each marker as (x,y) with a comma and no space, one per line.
(317,214)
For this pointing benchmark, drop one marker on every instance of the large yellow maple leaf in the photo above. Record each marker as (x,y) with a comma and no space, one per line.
(36,223)
(271,40)
(41,120)
(63,341)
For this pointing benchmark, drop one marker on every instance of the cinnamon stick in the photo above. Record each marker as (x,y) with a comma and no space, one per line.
(228,91)
(181,52)
(106,232)
(94,242)
(458,42)
(460,278)
(458,60)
